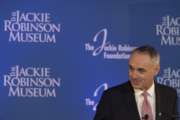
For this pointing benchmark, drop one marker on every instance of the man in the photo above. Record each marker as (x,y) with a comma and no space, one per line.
(141,98)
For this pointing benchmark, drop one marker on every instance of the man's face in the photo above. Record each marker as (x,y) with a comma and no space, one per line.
(142,71)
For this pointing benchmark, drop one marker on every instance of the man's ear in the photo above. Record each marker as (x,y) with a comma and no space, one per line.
(157,69)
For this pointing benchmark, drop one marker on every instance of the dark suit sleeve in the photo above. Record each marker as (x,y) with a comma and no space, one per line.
(168,103)
(103,108)
(171,106)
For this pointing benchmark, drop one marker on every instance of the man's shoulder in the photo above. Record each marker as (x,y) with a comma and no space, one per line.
(165,88)
(121,88)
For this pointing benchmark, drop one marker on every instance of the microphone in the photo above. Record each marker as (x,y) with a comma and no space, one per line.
(145,117)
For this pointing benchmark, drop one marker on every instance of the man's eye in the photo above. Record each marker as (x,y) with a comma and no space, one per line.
(141,70)
(130,68)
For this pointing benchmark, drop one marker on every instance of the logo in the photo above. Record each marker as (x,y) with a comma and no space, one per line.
(31,27)
(31,82)
(169,30)
(91,102)
(170,77)
(100,45)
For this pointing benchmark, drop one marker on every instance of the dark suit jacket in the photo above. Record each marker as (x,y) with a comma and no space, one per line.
(118,103)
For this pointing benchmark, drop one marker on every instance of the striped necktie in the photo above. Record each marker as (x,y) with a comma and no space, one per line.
(146,108)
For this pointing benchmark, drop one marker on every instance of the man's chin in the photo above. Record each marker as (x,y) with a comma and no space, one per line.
(136,86)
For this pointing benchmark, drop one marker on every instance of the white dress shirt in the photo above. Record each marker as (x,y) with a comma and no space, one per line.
(151,98)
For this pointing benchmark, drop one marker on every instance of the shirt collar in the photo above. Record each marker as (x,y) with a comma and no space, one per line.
(151,90)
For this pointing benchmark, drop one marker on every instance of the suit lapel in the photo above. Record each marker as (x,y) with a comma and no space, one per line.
(131,103)
(158,103)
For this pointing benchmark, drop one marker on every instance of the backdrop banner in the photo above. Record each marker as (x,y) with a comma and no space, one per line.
(58,56)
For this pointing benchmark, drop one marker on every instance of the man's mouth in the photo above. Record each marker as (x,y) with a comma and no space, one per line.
(136,81)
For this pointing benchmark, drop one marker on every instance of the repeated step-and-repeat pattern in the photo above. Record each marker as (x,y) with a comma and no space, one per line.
(58,56)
